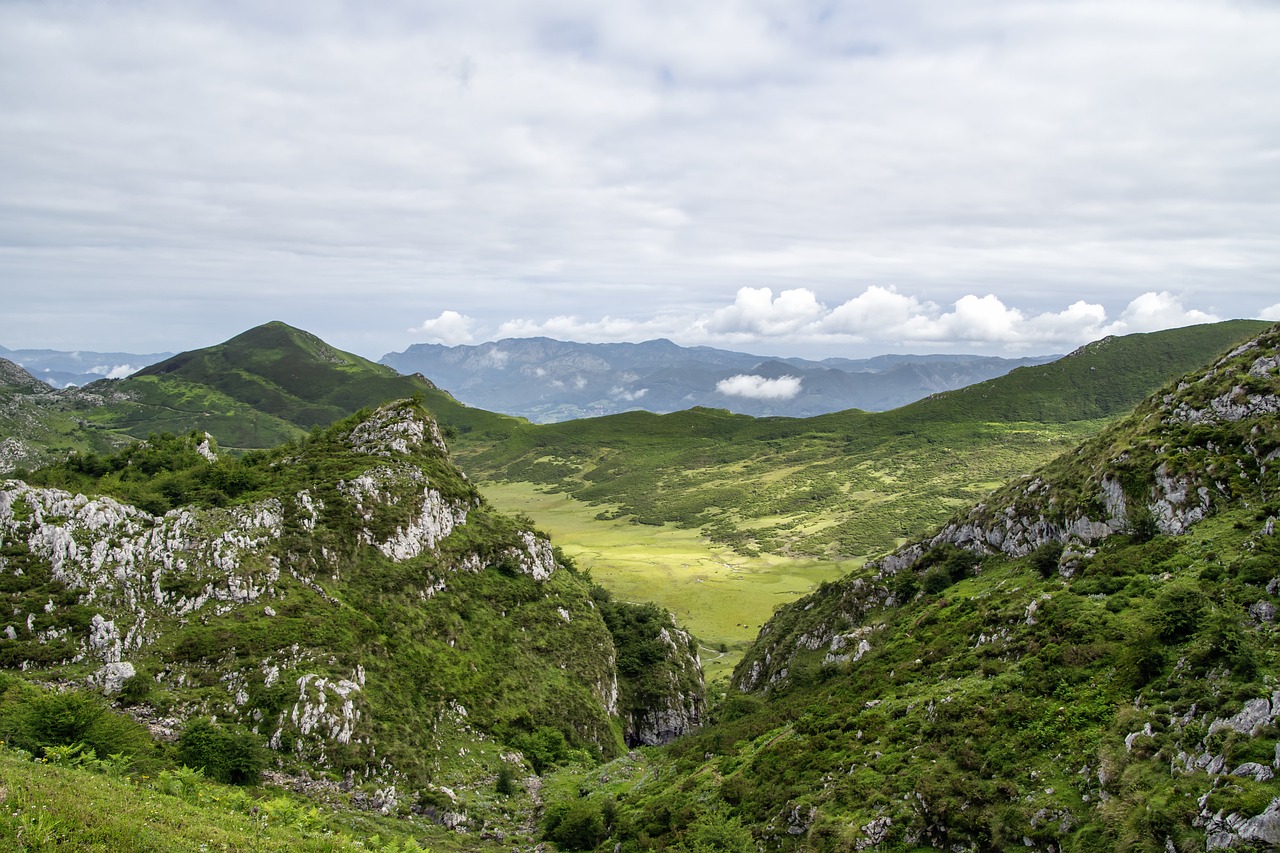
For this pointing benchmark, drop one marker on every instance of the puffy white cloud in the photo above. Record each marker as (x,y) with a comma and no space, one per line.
(975,318)
(630,396)
(1154,311)
(878,319)
(1272,313)
(117,371)
(756,311)
(450,328)
(760,387)
(872,312)
(1079,322)
(570,328)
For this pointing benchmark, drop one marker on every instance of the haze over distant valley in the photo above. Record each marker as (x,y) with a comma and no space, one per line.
(547,380)
(65,369)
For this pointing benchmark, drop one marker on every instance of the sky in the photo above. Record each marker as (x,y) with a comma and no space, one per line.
(776,176)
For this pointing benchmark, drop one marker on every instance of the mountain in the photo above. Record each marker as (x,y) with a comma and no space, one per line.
(851,483)
(38,424)
(268,385)
(1086,660)
(61,369)
(351,602)
(547,380)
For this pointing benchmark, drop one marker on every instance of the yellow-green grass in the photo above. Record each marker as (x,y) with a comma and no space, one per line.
(44,807)
(718,594)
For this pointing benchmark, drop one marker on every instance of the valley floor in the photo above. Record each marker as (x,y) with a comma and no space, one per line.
(719,595)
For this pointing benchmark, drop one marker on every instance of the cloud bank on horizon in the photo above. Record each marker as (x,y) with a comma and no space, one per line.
(824,178)
(879,316)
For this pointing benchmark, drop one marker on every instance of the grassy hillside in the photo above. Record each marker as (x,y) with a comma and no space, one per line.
(849,484)
(268,385)
(37,424)
(1087,661)
(349,602)
(720,595)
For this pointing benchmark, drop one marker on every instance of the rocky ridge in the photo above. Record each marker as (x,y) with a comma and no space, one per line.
(679,705)
(1104,527)
(323,614)
(1212,438)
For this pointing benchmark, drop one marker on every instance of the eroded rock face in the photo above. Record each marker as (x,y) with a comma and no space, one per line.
(1182,490)
(395,429)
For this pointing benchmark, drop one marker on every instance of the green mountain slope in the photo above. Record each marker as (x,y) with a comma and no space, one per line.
(851,483)
(267,385)
(38,424)
(1088,660)
(351,601)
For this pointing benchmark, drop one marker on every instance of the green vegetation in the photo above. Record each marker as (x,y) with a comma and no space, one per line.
(851,484)
(992,710)
(76,775)
(721,596)
(1073,690)
(370,658)
(1113,695)
(267,386)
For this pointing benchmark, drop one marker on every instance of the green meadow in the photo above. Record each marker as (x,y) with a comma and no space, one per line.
(720,595)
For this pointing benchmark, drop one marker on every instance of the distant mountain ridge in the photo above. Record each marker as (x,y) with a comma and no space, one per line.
(265,386)
(62,369)
(547,380)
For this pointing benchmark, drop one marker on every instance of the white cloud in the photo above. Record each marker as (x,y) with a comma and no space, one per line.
(450,328)
(630,396)
(755,311)
(1272,313)
(122,371)
(116,371)
(759,387)
(874,311)
(1153,311)
(975,318)
(878,319)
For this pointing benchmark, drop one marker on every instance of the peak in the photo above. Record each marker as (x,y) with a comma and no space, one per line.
(276,332)
(399,428)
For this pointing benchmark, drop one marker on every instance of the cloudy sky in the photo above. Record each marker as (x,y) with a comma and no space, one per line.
(779,176)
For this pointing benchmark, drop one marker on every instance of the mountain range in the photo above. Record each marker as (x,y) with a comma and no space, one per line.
(547,380)
(1063,636)
(61,369)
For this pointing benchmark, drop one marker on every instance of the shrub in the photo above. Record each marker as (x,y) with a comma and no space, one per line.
(935,580)
(1176,611)
(44,719)
(545,748)
(506,784)
(235,758)
(1045,559)
(578,825)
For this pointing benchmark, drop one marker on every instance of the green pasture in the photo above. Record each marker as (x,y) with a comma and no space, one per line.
(718,594)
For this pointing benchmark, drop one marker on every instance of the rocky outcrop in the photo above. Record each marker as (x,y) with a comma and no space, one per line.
(140,582)
(669,700)
(1232,405)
